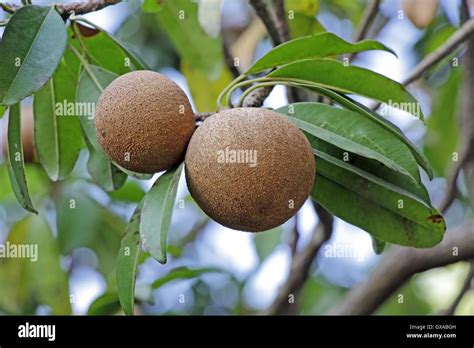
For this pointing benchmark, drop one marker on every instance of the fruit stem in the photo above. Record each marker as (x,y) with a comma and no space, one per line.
(86,66)
(226,89)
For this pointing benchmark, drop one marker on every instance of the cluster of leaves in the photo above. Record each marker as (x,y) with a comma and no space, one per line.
(367,168)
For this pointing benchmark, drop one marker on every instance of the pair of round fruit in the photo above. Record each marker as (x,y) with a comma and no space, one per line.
(249,169)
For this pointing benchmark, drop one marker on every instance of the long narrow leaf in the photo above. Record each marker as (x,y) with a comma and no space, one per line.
(315,46)
(349,79)
(127,262)
(156,214)
(355,133)
(15,163)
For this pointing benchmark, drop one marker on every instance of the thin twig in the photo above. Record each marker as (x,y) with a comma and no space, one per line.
(271,22)
(461,35)
(301,265)
(451,188)
(66,10)
(275,21)
(295,236)
(229,59)
(368,18)
(201,116)
(9,8)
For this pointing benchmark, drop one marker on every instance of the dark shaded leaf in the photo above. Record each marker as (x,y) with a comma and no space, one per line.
(156,214)
(127,262)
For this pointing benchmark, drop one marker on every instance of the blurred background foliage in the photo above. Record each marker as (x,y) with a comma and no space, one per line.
(213,270)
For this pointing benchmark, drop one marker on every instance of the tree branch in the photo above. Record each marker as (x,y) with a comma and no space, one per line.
(368,18)
(65,10)
(467,122)
(400,264)
(461,35)
(432,59)
(301,264)
(451,188)
(277,27)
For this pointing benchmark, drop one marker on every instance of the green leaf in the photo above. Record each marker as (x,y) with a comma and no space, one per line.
(315,46)
(82,222)
(182,273)
(2,111)
(49,282)
(353,105)
(306,7)
(15,163)
(191,42)
(266,242)
(102,171)
(378,245)
(92,82)
(131,191)
(106,51)
(39,184)
(304,25)
(372,167)
(33,43)
(352,80)
(58,137)
(388,212)
(151,6)
(106,304)
(355,133)
(127,262)
(156,213)
(442,135)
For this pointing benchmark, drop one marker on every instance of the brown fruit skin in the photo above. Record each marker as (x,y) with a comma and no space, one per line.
(144,121)
(238,195)
(27,135)
(420,12)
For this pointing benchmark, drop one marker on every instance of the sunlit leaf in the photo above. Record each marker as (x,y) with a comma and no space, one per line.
(58,137)
(32,45)
(354,133)
(315,46)
(156,214)
(351,80)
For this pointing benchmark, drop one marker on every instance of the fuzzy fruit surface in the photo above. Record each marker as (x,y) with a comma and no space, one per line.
(249,169)
(144,122)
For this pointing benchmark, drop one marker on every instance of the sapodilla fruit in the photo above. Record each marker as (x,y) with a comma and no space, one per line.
(249,169)
(144,121)
(420,12)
